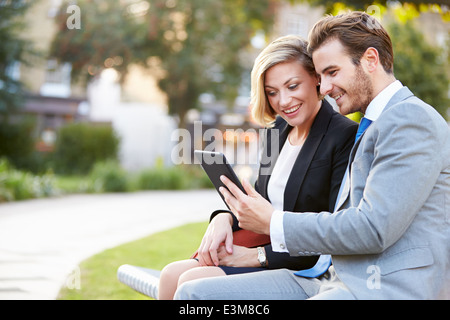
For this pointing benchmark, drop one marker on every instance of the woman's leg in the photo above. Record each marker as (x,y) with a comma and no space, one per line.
(170,275)
(200,273)
(279,284)
(179,272)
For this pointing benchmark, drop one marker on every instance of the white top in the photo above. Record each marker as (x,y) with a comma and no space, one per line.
(374,110)
(280,174)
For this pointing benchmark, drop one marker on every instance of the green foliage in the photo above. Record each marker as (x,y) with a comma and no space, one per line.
(20,185)
(16,142)
(99,273)
(108,176)
(161,179)
(108,31)
(74,184)
(330,5)
(79,146)
(420,66)
(12,50)
(197,43)
(417,64)
(172,178)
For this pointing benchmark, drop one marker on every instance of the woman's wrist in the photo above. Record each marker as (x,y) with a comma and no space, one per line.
(224,216)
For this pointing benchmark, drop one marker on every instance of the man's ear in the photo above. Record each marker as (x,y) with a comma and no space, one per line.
(370,60)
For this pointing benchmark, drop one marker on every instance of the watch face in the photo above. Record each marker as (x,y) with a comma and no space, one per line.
(261,257)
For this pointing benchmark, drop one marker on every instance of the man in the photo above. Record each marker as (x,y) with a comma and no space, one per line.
(389,237)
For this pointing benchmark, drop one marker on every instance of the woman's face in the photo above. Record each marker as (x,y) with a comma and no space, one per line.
(292,92)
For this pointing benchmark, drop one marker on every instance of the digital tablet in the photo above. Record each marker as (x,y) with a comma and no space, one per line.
(215,165)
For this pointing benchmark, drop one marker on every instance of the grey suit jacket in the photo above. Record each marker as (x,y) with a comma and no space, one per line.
(390,238)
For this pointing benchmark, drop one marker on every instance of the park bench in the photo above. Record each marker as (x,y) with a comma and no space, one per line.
(142,280)
(146,281)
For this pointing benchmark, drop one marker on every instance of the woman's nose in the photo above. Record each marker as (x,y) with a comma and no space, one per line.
(285,100)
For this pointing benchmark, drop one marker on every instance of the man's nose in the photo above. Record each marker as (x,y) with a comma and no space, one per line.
(325,87)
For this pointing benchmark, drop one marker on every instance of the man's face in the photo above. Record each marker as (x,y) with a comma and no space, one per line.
(342,80)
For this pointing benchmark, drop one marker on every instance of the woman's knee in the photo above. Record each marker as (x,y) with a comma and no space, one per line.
(199,273)
(174,270)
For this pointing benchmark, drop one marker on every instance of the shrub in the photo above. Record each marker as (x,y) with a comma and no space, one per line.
(161,178)
(173,178)
(420,66)
(16,142)
(108,176)
(18,185)
(79,146)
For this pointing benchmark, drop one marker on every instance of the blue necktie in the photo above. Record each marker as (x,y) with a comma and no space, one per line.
(324,261)
(319,268)
(363,125)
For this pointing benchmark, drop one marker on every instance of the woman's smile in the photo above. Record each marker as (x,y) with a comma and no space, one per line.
(292,111)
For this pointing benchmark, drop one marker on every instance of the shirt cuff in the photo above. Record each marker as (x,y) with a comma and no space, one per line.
(277,232)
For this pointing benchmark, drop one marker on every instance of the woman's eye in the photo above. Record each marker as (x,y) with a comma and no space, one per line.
(333,73)
(293,86)
(271,93)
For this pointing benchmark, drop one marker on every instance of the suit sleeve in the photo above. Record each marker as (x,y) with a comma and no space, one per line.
(392,176)
(277,260)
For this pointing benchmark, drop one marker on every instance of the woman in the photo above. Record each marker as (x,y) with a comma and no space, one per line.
(305,175)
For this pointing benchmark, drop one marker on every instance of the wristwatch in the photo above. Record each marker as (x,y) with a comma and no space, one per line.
(262,257)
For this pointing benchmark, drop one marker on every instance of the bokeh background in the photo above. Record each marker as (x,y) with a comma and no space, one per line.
(92,91)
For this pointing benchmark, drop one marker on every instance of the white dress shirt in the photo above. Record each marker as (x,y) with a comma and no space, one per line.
(280,174)
(373,111)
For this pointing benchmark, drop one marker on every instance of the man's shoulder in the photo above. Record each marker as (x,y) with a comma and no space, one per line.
(412,109)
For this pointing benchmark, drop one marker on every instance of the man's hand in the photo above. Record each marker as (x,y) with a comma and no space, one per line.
(241,257)
(252,210)
(219,231)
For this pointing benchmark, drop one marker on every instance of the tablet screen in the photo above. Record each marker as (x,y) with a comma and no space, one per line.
(215,165)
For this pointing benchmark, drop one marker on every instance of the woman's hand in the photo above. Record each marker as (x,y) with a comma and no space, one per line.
(241,257)
(251,209)
(219,232)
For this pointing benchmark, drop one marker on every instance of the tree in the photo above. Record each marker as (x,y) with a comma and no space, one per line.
(197,43)
(362,5)
(420,66)
(12,50)
(16,141)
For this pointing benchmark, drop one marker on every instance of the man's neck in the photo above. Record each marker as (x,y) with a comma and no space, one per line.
(382,82)
(377,105)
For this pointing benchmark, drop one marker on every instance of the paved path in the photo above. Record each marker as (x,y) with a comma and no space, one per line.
(43,241)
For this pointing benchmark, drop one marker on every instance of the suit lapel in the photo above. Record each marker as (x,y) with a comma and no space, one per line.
(306,155)
(401,95)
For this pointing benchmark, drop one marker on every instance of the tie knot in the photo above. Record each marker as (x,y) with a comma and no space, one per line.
(363,125)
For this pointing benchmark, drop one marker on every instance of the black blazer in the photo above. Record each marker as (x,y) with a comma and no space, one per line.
(315,179)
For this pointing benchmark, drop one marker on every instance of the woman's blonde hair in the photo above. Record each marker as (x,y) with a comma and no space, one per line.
(285,49)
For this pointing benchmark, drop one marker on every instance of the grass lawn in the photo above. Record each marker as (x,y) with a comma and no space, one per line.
(99,273)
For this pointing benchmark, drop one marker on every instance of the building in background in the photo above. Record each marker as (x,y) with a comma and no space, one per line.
(137,109)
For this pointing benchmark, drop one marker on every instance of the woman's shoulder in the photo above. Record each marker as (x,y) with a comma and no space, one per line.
(340,127)
(341,122)
(280,123)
